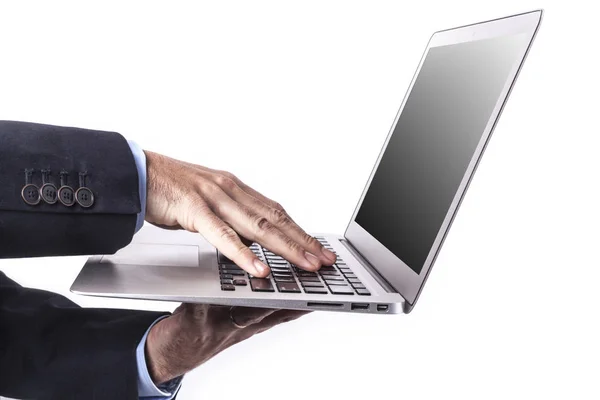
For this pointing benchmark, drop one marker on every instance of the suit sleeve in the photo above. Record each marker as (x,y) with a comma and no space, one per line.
(49,347)
(99,161)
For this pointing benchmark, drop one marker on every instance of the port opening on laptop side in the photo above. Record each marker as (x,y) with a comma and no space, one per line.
(434,145)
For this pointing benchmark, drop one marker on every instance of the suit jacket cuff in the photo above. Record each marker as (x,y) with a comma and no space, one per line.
(140,161)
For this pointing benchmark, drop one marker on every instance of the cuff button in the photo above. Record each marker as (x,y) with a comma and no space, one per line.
(31,194)
(48,193)
(66,195)
(84,197)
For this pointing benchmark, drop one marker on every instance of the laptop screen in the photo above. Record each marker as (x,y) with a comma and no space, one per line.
(434,140)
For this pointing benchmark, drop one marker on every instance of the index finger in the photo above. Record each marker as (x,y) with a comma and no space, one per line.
(224,238)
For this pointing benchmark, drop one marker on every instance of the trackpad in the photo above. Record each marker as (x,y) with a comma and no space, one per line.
(168,255)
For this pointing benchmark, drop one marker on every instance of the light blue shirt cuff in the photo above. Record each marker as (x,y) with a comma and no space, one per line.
(140,161)
(146,387)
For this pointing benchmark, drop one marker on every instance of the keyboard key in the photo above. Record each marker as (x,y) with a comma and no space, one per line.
(340,263)
(278,262)
(358,286)
(252,276)
(341,290)
(226,276)
(227,287)
(281,269)
(349,274)
(226,282)
(229,272)
(328,278)
(315,290)
(222,259)
(240,282)
(283,276)
(336,283)
(261,285)
(309,279)
(327,268)
(288,287)
(363,292)
(305,273)
(333,273)
(284,279)
(312,284)
(229,266)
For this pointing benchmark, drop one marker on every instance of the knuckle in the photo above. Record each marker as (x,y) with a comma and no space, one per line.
(311,241)
(244,251)
(278,206)
(225,182)
(225,232)
(280,217)
(209,187)
(262,224)
(293,246)
(229,175)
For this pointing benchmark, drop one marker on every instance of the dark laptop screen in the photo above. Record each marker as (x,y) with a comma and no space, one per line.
(433,142)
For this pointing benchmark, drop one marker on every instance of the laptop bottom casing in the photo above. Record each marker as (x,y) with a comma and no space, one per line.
(180,266)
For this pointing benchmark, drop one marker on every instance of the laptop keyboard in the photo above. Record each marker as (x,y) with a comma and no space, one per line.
(288,278)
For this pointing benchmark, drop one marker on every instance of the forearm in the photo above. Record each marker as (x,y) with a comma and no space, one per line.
(58,228)
(52,348)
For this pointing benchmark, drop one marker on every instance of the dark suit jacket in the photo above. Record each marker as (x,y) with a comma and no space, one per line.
(49,347)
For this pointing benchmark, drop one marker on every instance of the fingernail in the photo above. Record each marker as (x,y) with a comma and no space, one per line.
(261,269)
(330,255)
(312,259)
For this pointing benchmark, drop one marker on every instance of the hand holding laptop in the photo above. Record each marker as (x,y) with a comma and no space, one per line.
(227,212)
(197,332)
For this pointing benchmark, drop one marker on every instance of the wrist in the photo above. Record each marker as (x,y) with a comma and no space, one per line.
(163,357)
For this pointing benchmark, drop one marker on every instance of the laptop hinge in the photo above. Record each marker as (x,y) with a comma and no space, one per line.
(367,265)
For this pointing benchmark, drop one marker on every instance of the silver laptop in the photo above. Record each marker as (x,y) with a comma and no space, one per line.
(392,240)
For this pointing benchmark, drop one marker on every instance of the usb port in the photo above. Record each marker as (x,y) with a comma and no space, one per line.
(359,306)
(382,307)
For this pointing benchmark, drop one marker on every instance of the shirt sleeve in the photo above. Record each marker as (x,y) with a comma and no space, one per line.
(140,162)
(147,390)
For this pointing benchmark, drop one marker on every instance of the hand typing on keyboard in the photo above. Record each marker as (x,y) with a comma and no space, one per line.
(228,213)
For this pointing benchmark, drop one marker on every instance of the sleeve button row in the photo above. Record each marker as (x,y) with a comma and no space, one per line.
(32,195)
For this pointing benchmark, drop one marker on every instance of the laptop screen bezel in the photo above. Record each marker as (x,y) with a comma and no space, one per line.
(399,275)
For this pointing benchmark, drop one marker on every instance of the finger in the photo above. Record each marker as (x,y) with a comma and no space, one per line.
(248,316)
(258,228)
(284,223)
(224,238)
(246,241)
(279,317)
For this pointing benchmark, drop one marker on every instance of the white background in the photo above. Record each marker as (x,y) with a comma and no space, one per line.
(296,98)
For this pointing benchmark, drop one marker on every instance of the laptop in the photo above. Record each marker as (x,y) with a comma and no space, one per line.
(405,211)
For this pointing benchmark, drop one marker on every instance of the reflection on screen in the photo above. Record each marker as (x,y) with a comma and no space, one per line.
(433,142)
